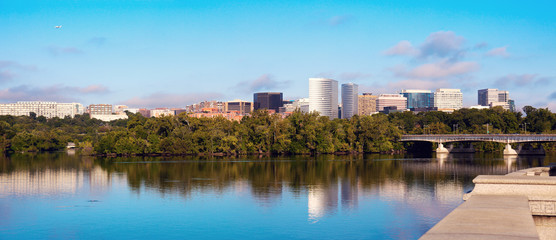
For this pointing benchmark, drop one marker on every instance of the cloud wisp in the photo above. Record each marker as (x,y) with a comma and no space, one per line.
(345,76)
(161,99)
(523,80)
(9,69)
(433,71)
(48,93)
(57,51)
(97,41)
(402,48)
(339,20)
(498,52)
(264,82)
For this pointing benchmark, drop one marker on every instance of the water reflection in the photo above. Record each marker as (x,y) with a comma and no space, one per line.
(422,190)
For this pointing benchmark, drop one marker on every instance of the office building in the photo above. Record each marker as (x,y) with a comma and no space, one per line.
(46,109)
(323,96)
(100,109)
(268,100)
(418,99)
(367,104)
(243,107)
(448,100)
(350,100)
(392,101)
(493,98)
(301,104)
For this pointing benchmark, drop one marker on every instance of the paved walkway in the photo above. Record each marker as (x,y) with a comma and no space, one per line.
(487,217)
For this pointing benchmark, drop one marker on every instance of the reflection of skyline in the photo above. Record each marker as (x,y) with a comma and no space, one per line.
(323,200)
(51,182)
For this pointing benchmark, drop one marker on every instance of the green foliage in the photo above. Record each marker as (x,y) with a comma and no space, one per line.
(262,133)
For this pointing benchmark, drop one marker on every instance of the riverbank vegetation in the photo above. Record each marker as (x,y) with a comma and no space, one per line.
(263,133)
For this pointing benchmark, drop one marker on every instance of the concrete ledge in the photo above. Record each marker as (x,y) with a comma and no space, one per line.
(487,217)
(534,183)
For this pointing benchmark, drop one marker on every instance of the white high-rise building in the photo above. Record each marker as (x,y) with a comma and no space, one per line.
(448,100)
(323,96)
(46,109)
(350,100)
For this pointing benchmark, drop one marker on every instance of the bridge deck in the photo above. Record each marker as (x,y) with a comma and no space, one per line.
(502,138)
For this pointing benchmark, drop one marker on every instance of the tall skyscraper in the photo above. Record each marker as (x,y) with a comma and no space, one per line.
(323,96)
(448,100)
(494,97)
(367,104)
(418,99)
(350,100)
(268,100)
(393,101)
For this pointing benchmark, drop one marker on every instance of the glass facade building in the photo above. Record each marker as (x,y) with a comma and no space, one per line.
(268,100)
(418,99)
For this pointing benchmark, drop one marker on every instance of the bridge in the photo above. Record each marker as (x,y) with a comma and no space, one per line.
(500,138)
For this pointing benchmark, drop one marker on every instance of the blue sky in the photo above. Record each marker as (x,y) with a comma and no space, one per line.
(174,53)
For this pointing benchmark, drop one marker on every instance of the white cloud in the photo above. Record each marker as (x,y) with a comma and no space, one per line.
(441,69)
(442,44)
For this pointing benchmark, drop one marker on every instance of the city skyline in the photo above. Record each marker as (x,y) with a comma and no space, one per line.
(172,54)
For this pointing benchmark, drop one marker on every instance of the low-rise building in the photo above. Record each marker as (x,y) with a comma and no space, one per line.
(243,107)
(159,112)
(46,109)
(100,109)
(301,104)
(391,100)
(109,117)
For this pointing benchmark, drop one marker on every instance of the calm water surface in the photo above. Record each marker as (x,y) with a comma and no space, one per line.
(61,196)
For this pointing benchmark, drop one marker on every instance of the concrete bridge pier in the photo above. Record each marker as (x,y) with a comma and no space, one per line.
(441,148)
(509,151)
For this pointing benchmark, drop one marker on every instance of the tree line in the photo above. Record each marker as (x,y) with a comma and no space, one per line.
(263,133)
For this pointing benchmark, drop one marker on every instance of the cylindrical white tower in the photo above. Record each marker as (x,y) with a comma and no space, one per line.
(350,99)
(323,96)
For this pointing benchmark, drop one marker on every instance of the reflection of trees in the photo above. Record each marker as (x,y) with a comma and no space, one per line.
(267,177)
(36,162)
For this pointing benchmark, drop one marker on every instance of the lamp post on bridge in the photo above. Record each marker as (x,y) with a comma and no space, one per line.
(455,128)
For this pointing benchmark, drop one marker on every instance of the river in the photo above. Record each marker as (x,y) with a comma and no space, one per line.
(65,196)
